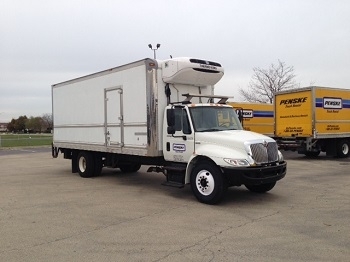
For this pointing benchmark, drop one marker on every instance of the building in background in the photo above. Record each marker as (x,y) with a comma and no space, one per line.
(3,127)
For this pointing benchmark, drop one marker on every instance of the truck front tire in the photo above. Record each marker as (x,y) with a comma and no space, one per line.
(343,148)
(86,164)
(208,183)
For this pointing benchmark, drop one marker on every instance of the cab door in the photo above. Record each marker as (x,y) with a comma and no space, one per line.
(179,147)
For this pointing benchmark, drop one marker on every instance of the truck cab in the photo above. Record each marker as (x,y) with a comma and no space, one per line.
(208,148)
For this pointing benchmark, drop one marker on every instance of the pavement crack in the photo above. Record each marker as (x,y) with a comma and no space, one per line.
(204,242)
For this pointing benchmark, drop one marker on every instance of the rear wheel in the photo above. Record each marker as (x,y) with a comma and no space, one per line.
(343,148)
(261,188)
(208,183)
(86,164)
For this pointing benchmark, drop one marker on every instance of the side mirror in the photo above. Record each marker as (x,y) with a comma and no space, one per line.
(239,112)
(170,118)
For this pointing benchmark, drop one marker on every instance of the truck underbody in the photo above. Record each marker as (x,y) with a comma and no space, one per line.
(337,147)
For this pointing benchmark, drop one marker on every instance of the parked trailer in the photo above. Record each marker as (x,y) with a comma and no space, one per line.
(257,117)
(313,120)
(163,114)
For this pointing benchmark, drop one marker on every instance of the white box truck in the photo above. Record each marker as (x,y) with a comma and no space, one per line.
(163,114)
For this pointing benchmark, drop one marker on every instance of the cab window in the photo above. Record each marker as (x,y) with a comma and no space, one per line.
(181,121)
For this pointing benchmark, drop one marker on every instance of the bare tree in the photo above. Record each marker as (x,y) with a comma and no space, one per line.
(47,120)
(266,82)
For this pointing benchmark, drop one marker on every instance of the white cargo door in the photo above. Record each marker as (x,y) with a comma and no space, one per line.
(114,125)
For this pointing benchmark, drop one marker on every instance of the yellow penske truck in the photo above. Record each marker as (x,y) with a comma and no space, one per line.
(313,120)
(256,117)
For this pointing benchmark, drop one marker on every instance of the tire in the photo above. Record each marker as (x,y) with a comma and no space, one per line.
(129,168)
(312,153)
(208,184)
(263,188)
(343,148)
(86,164)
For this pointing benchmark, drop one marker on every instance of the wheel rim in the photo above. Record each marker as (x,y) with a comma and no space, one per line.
(205,182)
(82,164)
(345,149)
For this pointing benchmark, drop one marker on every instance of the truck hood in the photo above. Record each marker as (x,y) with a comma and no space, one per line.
(235,139)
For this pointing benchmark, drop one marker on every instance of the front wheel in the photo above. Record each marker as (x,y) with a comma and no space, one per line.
(208,183)
(261,188)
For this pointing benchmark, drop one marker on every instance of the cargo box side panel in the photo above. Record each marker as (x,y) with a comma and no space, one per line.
(78,113)
(332,112)
(135,108)
(79,109)
(294,114)
(257,117)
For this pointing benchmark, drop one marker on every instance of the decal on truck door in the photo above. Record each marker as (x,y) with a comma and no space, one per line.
(178,148)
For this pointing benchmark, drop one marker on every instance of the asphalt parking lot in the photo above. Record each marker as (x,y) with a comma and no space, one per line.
(49,214)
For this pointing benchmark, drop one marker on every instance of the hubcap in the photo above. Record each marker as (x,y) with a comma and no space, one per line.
(82,164)
(205,182)
(345,149)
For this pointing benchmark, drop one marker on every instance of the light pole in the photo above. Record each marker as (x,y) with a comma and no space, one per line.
(154,49)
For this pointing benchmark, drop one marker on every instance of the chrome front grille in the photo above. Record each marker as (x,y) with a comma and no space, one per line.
(264,152)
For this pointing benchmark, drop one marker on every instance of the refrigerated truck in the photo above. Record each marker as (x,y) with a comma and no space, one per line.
(164,114)
(256,117)
(314,119)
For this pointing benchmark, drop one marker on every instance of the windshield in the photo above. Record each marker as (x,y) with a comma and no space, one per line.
(214,118)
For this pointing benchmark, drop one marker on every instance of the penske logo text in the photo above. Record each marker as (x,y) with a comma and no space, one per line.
(247,113)
(293,101)
(332,103)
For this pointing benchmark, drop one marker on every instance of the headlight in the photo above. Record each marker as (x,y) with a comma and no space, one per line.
(236,162)
(280,156)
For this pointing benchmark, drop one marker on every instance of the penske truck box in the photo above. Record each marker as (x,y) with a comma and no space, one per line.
(163,114)
(313,120)
(257,117)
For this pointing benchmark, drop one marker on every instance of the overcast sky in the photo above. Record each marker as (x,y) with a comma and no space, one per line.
(45,42)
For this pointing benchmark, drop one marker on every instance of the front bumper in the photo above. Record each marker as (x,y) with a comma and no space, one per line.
(255,175)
